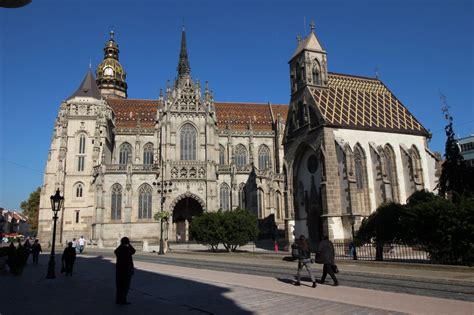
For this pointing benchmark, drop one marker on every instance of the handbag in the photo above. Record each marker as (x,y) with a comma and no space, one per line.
(335,269)
(318,258)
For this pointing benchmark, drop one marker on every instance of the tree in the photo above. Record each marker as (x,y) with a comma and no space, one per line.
(207,229)
(381,227)
(456,177)
(30,208)
(239,227)
(443,228)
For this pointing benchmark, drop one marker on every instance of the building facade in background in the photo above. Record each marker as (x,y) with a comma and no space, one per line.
(112,157)
(466,147)
(350,145)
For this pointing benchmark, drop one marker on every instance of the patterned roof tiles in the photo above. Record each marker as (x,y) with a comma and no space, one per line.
(129,113)
(364,103)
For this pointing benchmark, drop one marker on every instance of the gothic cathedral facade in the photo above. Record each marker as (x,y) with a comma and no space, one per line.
(119,161)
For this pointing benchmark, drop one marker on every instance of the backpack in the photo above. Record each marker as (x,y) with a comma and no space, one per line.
(295,251)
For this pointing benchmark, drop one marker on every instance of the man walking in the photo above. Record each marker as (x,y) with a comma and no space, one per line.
(124,270)
(35,250)
(69,257)
(304,260)
(326,253)
(82,243)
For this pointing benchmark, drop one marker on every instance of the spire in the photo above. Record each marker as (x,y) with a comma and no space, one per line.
(183,65)
(88,87)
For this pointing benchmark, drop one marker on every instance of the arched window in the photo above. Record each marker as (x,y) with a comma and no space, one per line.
(79,190)
(221,155)
(316,73)
(82,144)
(224,195)
(148,154)
(240,155)
(359,170)
(263,157)
(242,196)
(125,153)
(144,202)
(82,152)
(278,205)
(116,207)
(188,142)
(391,171)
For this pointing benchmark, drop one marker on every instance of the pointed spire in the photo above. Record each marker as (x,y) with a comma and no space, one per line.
(88,87)
(183,65)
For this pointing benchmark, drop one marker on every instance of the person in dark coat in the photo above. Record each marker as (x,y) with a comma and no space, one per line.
(27,249)
(11,257)
(19,261)
(304,260)
(326,252)
(35,250)
(124,270)
(68,259)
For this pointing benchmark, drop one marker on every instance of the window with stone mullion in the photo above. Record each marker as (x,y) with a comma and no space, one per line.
(116,202)
(144,203)
(188,142)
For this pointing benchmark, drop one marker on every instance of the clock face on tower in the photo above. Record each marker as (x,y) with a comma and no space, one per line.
(108,71)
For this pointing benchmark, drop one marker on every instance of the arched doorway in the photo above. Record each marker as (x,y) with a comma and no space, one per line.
(183,212)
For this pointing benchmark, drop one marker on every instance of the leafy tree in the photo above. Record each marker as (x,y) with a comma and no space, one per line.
(30,208)
(381,227)
(456,177)
(443,228)
(207,229)
(239,227)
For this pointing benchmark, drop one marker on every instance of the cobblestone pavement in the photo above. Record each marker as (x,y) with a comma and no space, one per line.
(167,289)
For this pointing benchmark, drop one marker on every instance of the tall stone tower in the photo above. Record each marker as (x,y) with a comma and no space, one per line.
(110,74)
(81,138)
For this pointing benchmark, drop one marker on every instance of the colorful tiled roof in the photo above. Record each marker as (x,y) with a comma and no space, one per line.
(364,103)
(129,113)
(238,116)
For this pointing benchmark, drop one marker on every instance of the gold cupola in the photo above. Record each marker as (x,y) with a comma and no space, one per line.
(110,76)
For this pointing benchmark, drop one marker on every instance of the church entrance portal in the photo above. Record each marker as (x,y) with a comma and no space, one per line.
(183,213)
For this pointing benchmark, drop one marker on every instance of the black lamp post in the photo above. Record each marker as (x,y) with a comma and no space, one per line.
(164,187)
(352,222)
(56,205)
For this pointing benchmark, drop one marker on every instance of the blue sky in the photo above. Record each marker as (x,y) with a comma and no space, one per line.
(241,47)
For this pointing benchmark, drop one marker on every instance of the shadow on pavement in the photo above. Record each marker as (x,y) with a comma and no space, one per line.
(91,290)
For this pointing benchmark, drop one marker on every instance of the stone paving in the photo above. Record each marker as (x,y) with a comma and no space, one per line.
(167,289)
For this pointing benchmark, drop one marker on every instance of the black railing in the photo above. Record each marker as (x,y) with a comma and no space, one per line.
(394,253)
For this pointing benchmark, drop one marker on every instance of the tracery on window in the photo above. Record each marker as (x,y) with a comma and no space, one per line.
(148,154)
(125,153)
(116,206)
(188,142)
(144,202)
(221,155)
(264,157)
(224,197)
(240,154)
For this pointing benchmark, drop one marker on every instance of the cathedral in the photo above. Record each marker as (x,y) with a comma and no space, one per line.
(119,161)
(343,146)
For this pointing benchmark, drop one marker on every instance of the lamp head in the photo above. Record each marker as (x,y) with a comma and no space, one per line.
(56,201)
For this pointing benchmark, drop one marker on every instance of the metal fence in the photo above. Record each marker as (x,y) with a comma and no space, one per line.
(392,252)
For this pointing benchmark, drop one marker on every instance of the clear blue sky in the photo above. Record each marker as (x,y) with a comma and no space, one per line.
(240,47)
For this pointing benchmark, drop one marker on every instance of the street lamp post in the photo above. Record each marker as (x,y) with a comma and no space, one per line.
(352,221)
(56,205)
(164,187)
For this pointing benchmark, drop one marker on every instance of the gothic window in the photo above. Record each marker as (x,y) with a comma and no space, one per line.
(116,206)
(125,153)
(240,155)
(278,205)
(224,196)
(81,151)
(316,73)
(148,154)
(359,173)
(391,172)
(144,202)
(221,155)
(188,142)
(264,157)
(79,190)
(82,144)
(242,196)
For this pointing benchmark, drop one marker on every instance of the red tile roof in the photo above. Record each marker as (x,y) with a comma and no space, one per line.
(364,103)
(131,112)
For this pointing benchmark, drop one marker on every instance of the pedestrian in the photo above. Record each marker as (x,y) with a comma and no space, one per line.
(82,243)
(19,260)
(68,259)
(124,270)
(74,244)
(27,247)
(178,237)
(304,260)
(326,257)
(35,250)
(11,257)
